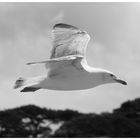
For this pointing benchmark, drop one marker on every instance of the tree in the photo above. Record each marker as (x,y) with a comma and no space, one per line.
(33,121)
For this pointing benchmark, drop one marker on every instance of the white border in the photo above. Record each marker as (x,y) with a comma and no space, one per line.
(69,0)
(70,138)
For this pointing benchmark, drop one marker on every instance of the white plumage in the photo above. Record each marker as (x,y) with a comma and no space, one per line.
(67,67)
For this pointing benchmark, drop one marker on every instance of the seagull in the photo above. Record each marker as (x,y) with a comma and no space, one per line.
(67,68)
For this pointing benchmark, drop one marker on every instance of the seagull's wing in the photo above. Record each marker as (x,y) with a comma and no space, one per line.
(68,40)
(62,65)
(57,60)
(69,48)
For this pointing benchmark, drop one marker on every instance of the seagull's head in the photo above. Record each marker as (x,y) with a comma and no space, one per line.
(109,77)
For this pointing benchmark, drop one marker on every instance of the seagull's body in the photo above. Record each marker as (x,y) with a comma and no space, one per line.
(70,79)
(67,68)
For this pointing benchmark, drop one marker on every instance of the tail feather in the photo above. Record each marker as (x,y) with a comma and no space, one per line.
(28,84)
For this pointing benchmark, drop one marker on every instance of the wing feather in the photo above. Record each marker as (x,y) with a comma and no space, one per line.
(69,48)
(68,40)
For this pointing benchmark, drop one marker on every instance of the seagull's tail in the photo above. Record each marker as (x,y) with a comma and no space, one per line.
(28,84)
(19,83)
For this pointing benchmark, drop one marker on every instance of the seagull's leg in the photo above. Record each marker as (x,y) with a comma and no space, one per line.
(30,89)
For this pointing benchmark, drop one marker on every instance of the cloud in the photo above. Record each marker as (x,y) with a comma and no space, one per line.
(17,17)
(25,36)
(59,18)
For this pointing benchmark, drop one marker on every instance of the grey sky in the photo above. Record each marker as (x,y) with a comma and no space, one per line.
(25,30)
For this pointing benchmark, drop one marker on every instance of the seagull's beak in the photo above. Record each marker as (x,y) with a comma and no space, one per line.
(121,81)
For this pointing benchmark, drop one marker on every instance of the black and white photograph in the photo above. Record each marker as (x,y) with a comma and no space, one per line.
(69,70)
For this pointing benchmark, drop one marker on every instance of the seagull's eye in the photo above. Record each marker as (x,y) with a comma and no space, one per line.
(111,75)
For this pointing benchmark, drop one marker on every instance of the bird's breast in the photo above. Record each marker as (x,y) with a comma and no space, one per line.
(77,80)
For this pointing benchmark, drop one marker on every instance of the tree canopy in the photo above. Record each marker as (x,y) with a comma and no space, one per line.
(33,121)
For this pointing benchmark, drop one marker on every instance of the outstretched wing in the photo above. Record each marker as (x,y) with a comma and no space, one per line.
(69,48)
(68,40)
(62,65)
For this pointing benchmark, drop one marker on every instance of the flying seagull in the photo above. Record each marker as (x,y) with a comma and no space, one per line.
(67,68)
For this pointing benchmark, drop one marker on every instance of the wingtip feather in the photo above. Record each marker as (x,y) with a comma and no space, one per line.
(63,25)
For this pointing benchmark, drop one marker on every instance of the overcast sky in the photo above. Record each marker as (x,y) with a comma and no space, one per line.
(25,36)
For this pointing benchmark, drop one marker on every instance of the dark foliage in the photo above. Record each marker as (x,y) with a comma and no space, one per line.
(29,121)
(33,121)
(123,122)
